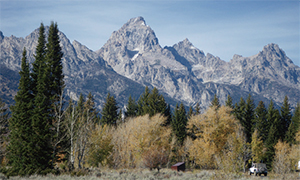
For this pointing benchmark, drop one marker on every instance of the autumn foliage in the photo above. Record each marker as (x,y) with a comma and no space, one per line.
(218,136)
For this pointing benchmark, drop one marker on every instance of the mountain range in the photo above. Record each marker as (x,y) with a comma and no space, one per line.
(132,58)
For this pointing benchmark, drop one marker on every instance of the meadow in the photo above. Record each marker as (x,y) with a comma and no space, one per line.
(146,174)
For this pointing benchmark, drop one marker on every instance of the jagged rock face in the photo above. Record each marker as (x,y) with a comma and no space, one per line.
(133,58)
(133,51)
(84,70)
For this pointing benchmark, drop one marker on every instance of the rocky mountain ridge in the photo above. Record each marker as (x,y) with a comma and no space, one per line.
(133,58)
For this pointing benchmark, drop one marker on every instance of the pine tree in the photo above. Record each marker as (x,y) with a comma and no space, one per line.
(270,143)
(294,126)
(197,109)
(229,102)
(143,102)
(20,147)
(54,63)
(90,109)
(156,103)
(39,65)
(239,113)
(179,123)
(80,104)
(249,117)
(55,79)
(273,118)
(285,119)
(110,111)
(260,122)
(168,114)
(191,112)
(215,102)
(131,108)
(41,124)
(3,128)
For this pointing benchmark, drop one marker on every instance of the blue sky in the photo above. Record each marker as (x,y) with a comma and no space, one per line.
(222,28)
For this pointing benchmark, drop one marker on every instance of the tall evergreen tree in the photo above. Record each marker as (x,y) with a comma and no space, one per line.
(168,114)
(152,103)
(39,65)
(143,102)
(215,102)
(240,114)
(131,108)
(239,109)
(80,104)
(20,147)
(273,118)
(110,111)
(55,78)
(197,109)
(269,144)
(41,124)
(260,121)
(294,126)
(179,123)
(249,117)
(285,119)
(3,128)
(54,63)
(90,110)
(229,102)
(191,112)
(156,103)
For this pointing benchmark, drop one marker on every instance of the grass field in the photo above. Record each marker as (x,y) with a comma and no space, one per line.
(145,174)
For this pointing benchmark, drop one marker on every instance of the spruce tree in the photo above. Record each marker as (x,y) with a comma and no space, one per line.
(260,122)
(3,128)
(191,112)
(229,102)
(179,123)
(294,126)
(285,118)
(156,103)
(131,108)
(110,111)
(55,78)
(215,102)
(269,144)
(39,65)
(41,124)
(249,117)
(54,63)
(21,147)
(80,104)
(143,102)
(239,113)
(197,109)
(90,110)
(273,118)
(168,114)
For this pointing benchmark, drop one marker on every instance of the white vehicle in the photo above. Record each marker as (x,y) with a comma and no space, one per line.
(258,169)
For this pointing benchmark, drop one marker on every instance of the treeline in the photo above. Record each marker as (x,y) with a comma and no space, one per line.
(45,133)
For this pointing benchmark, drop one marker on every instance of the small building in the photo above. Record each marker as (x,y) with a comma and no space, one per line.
(180,166)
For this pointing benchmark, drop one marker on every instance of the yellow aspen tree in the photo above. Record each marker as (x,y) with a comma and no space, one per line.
(257,147)
(282,163)
(210,131)
(137,136)
(100,146)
